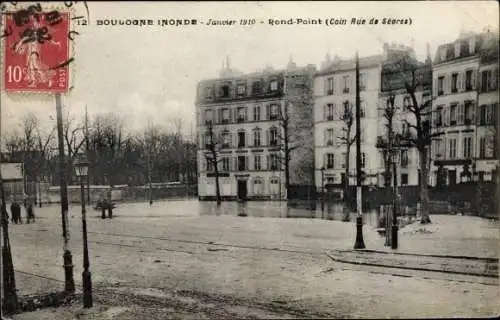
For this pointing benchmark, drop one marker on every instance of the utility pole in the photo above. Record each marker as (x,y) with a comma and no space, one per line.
(359,244)
(10,302)
(69,281)
(87,149)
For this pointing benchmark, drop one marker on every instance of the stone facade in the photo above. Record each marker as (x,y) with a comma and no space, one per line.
(248,113)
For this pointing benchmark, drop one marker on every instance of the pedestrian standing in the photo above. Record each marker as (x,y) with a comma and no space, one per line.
(30,211)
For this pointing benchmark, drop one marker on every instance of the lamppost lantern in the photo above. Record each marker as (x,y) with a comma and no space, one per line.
(81,168)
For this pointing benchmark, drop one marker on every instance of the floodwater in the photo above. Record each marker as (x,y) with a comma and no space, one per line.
(192,207)
(276,209)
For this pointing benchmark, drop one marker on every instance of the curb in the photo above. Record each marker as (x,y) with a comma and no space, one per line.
(408,268)
(424,255)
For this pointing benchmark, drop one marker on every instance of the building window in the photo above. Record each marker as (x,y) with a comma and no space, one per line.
(404,179)
(406,103)
(452,148)
(363,109)
(241,139)
(439,116)
(329,111)
(241,89)
(464,48)
(329,137)
(274,160)
(242,163)
(487,81)
(345,84)
(225,164)
(256,113)
(450,53)
(467,147)
(208,93)
(482,147)
(468,80)
(453,114)
(454,82)
(468,113)
(273,85)
(404,158)
(363,160)
(329,90)
(257,164)
(225,115)
(273,137)
(256,138)
(210,165)
(242,115)
(256,88)
(224,91)
(226,139)
(440,85)
(343,160)
(362,82)
(209,116)
(330,161)
(273,112)
(274,181)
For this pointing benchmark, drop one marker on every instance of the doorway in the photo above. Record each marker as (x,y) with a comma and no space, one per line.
(452,177)
(242,189)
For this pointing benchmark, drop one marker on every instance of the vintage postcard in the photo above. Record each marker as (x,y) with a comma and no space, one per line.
(251,159)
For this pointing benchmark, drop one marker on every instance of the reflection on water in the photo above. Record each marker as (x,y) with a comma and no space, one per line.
(275,209)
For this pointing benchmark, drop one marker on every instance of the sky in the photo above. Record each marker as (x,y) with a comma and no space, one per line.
(151,72)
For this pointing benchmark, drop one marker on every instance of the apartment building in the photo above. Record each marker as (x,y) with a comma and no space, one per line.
(393,80)
(486,153)
(458,113)
(334,94)
(248,114)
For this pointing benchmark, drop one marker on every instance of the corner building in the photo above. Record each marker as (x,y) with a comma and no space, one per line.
(245,112)
(465,89)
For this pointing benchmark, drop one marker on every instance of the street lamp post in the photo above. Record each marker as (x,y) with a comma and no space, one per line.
(359,243)
(81,168)
(394,227)
(322,190)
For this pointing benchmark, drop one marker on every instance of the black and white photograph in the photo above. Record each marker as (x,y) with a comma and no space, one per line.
(249,160)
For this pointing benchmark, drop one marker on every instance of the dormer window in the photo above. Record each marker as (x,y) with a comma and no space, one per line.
(224,91)
(273,85)
(241,89)
(464,48)
(208,93)
(256,87)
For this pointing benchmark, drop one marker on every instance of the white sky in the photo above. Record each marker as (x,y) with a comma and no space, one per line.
(152,71)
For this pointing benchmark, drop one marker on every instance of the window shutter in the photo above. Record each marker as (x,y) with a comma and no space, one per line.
(268,112)
(446,120)
(268,162)
(475,82)
(268,137)
(325,159)
(325,112)
(325,137)
(247,164)
(246,113)
(326,86)
(472,109)
(494,79)
(461,116)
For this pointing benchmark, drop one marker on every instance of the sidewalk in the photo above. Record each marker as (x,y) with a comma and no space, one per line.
(484,267)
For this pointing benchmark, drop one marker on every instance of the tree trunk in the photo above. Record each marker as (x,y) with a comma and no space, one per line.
(287,159)
(424,195)
(217,186)
(346,216)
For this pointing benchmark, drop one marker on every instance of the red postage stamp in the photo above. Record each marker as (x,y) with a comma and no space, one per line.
(36,51)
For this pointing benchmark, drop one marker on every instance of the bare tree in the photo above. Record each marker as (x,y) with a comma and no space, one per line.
(296,126)
(420,134)
(348,138)
(212,157)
